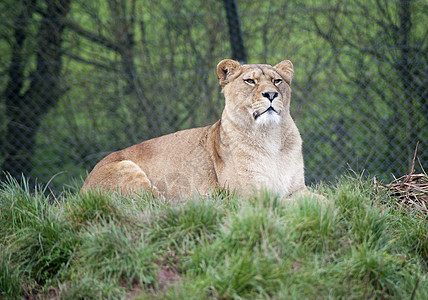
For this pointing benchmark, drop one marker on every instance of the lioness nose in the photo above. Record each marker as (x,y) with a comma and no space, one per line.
(270,95)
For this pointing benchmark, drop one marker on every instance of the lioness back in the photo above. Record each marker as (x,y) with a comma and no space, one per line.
(254,145)
(175,164)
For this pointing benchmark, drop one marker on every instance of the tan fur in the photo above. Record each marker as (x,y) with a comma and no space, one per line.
(247,149)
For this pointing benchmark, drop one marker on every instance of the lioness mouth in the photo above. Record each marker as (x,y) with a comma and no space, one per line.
(256,114)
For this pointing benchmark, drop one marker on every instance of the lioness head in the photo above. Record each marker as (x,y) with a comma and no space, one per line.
(259,94)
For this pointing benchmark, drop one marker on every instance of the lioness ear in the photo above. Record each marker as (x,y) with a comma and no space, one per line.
(285,69)
(225,68)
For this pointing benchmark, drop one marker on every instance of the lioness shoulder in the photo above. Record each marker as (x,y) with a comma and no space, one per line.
(254,145)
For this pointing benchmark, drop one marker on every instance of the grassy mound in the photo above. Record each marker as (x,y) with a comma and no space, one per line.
(90,246)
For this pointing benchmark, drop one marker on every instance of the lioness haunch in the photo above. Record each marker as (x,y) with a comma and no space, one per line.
(254,145)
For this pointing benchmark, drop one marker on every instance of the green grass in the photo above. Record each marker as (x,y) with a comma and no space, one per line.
(358,245)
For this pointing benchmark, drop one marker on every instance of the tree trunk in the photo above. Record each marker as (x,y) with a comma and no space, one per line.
(239,52)
(416,113)
(25,109)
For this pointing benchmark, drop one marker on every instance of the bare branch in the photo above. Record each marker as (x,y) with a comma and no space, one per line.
(91,62)
(93,37)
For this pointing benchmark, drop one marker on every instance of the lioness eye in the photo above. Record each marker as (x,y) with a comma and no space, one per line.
(250,81)
(277,81)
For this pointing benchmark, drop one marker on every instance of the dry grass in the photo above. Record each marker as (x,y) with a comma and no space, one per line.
(410,191)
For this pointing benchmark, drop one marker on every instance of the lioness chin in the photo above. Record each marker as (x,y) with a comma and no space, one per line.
(254,145)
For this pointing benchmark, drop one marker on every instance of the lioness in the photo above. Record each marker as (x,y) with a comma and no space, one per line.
(254,145)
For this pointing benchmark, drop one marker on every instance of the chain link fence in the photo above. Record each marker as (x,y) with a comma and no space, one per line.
(79,79)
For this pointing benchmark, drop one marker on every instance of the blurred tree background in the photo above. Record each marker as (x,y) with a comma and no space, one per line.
(79,79)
